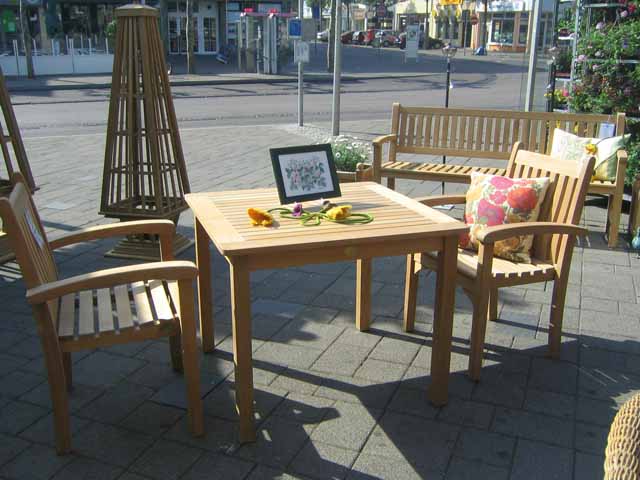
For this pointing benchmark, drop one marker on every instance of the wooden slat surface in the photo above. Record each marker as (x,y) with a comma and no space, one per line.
(66,322)
(224,217)
(105,315)
(143,307)
(123,307)
(85,316)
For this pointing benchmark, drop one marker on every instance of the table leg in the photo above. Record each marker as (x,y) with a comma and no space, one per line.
(205,294)
(241,313)
(443,321)
(363,294)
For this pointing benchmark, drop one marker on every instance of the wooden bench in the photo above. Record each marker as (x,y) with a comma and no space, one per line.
(486,134)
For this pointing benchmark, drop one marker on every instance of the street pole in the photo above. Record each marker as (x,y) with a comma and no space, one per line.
(533,57)
(337,67)
(300,72)
(485,32)
(446,105)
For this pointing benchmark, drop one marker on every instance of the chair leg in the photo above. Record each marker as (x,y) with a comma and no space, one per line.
(190,358)
(493,305)
(391,183)
(59,397)
(478,332)
(175,346)
(613,215)
(557,313)
(410,293)
(68,370)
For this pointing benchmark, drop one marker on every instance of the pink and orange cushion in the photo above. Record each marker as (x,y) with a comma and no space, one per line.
(495,200)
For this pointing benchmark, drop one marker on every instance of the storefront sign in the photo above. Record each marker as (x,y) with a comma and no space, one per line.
(411,47)
(450,2)
(269,8)
(358,13)
(301,52)
(502,6)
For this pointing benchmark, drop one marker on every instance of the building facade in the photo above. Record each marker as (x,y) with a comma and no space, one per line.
(462,22)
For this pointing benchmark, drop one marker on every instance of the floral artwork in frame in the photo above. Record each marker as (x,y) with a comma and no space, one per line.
(305,173)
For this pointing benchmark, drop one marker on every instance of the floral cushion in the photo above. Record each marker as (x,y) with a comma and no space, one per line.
(495,200)
(567,146)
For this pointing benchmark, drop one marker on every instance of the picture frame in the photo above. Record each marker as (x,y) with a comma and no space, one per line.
(305,173)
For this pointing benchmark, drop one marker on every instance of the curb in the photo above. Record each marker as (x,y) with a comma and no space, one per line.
(309,78)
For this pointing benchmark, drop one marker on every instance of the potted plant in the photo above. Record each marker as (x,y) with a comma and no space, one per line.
(352,158)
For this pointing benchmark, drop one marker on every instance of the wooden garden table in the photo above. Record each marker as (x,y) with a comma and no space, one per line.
(401,226)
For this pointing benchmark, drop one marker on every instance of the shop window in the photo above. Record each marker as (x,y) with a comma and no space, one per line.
(502,28)
(524,28)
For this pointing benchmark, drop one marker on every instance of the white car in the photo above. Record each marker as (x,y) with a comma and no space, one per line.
(323,36)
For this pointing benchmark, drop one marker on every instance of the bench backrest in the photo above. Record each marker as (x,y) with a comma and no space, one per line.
(460,132)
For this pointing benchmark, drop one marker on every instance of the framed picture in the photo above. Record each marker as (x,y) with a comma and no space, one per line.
(305,173)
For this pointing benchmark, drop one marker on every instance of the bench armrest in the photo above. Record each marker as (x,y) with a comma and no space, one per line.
(174,270)
(163,228)
(437,200)
(377,154)
(391,137)
(501,232)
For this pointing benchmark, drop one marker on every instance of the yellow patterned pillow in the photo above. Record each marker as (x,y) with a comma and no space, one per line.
(495,200)
(567,146)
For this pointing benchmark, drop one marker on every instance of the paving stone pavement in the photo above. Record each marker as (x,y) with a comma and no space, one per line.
(331,402)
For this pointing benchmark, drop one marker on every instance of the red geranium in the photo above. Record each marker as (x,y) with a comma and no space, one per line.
(522,198)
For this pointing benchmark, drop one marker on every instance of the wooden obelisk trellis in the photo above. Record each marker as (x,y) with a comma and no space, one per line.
(15,158)
(144,171)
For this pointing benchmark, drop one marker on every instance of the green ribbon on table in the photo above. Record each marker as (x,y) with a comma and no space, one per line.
(313,219)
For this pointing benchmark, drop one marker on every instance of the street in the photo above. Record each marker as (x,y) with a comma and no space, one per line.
(485,83)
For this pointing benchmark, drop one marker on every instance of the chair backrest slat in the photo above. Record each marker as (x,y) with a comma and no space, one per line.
(28,238)
(564,199)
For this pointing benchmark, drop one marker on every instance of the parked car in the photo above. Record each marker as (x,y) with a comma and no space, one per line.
(434,43)
(346,37)
(370,36)
(323,36)
(385,38)
(358,37)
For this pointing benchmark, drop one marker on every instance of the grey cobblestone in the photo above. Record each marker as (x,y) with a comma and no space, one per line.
(330,401)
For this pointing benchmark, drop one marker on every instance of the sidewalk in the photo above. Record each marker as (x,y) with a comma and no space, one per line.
(358,63)
(331,402)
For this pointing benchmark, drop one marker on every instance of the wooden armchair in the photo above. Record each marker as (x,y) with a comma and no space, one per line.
(481,274)
(102,308)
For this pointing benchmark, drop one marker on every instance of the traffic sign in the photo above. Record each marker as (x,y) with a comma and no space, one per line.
(381,11)
(295,28)
(474,19)
(301,52)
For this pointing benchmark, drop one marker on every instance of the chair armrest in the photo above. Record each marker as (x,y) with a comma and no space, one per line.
(174,270)
(623,157)
(437,200)
(500,232)
(391,137)
(138,227)
(377,154)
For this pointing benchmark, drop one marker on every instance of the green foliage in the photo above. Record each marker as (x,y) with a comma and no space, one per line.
(110,31)
(559,97)
(633,150)
(348,152)
(606,85)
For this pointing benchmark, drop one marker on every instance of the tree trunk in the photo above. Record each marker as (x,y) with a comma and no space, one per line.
(332,34)
(164,25)
(26,41)
(191,64)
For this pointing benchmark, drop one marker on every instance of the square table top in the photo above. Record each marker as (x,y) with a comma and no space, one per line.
(224,217)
